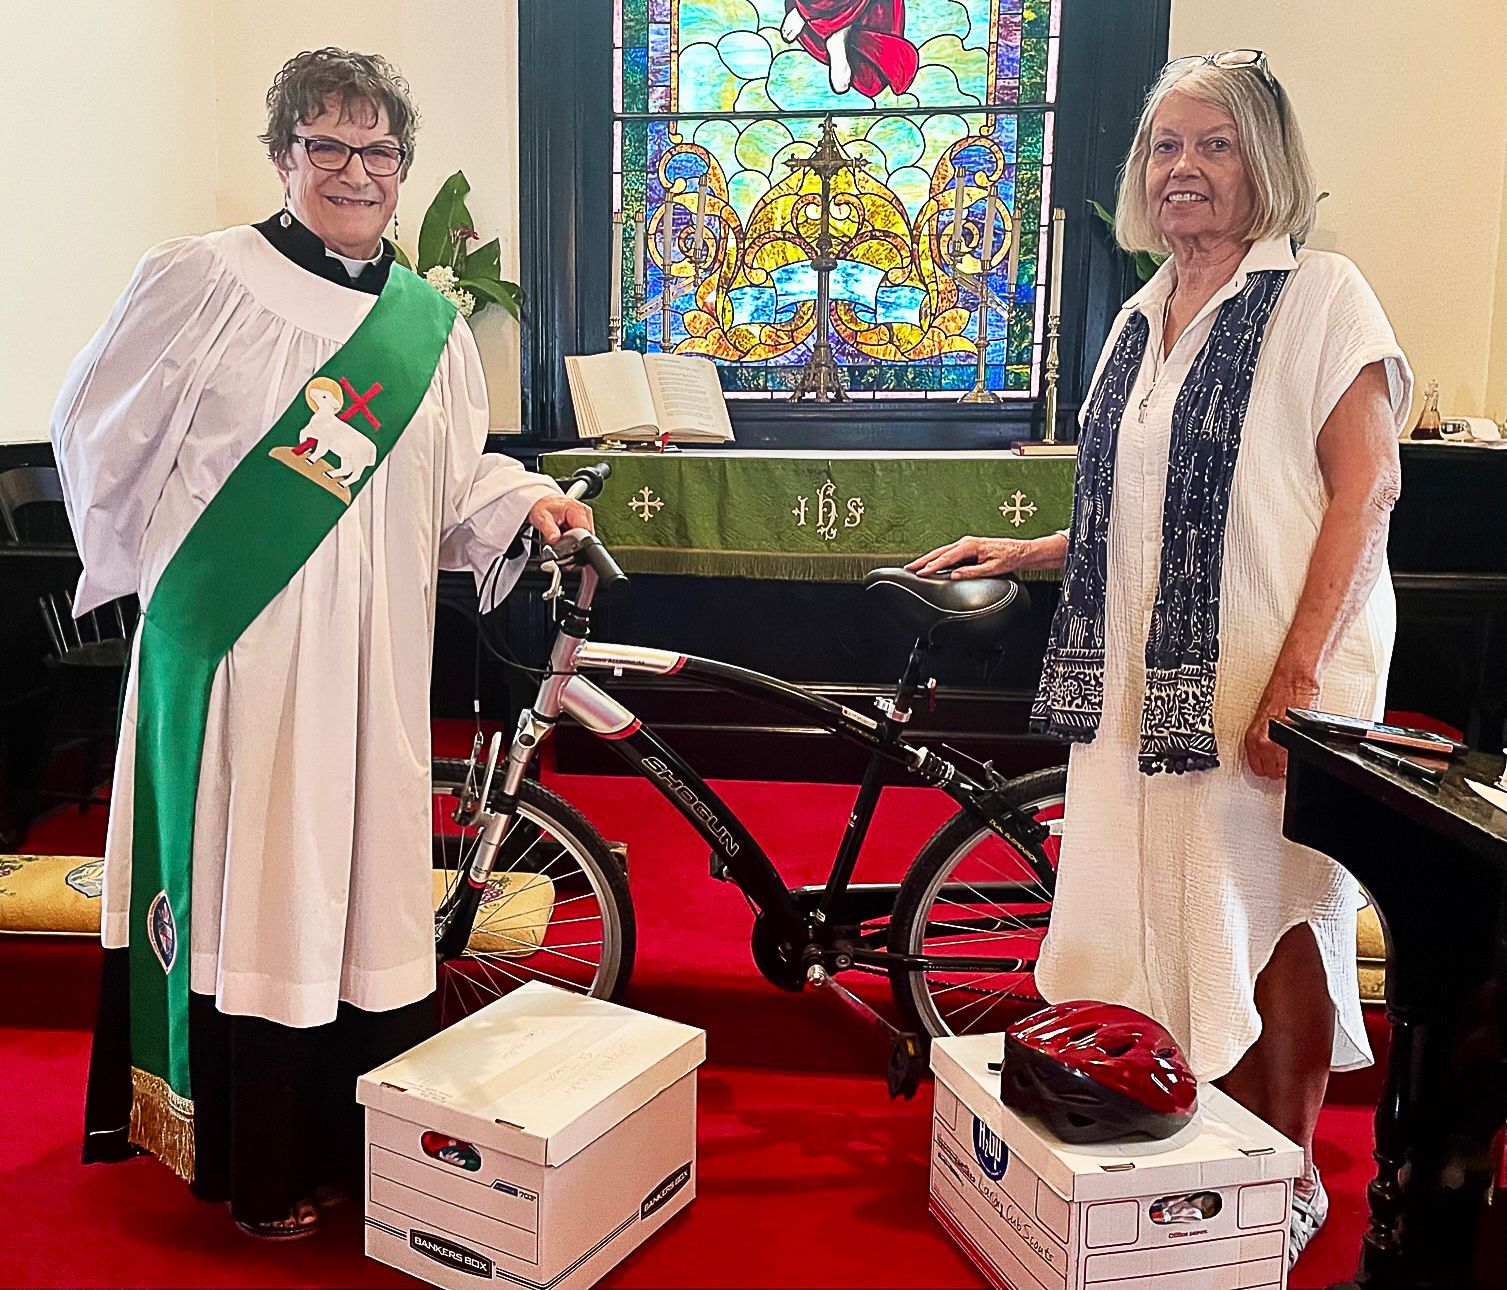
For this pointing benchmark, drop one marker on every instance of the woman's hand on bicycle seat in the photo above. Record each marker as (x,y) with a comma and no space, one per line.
(981,557)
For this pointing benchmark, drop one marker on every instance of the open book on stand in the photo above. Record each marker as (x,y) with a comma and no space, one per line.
(641,397)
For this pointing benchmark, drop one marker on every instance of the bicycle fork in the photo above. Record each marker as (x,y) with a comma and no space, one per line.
(563,690)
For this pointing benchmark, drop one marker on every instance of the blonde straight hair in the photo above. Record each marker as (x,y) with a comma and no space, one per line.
(1271,146)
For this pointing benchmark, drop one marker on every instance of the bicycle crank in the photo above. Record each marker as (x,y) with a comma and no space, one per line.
(907,1056)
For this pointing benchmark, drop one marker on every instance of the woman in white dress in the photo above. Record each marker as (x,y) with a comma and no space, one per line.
(306,952)
(1237,467)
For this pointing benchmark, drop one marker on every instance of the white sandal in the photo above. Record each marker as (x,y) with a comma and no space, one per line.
(1308,1215)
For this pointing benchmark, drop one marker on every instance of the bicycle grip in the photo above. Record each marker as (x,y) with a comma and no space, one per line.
(608,573)
(590,479)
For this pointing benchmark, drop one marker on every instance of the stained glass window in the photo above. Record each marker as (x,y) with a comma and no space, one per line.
(946,109)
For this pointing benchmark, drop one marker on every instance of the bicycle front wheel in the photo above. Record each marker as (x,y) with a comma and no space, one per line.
(556,907)
(975,905)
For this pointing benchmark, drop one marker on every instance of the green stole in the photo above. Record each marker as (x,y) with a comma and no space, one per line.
(257,532)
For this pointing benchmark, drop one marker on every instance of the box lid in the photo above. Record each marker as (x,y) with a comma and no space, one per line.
(539,1074)
(1225,1144)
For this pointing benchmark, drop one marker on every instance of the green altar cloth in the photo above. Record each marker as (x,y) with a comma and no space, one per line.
(823,516)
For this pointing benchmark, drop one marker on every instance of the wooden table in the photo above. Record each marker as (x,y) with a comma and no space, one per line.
(1434,861)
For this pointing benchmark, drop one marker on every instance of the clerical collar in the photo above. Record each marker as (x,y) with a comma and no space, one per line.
(301,245)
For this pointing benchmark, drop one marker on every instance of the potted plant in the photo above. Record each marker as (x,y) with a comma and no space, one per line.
(470,279)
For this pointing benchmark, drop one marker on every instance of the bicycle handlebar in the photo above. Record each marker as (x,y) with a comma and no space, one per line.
(587,482)
(609,575)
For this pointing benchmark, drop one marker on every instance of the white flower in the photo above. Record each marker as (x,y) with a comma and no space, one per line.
(442,278)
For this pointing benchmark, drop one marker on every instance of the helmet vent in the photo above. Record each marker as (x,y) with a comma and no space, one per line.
(1118,1050)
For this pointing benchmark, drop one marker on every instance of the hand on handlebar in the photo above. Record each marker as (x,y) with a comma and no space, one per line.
(552,516)
(974,557)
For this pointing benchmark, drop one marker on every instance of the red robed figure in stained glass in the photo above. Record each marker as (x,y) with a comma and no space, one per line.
(862,42)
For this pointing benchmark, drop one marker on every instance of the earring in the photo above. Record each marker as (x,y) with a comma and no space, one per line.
(395,226)
(285,219)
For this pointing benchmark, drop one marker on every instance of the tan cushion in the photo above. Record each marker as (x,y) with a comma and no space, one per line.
(514,913)
(61,894)
(1371,955)
(50,894)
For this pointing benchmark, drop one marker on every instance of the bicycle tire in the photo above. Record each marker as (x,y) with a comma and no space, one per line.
(1041,794)
(480,974)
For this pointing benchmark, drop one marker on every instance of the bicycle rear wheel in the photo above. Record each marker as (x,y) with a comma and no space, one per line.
(980,899)
(556,909)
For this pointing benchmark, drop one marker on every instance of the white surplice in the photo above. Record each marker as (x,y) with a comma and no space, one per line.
(1173,890)
(311,859)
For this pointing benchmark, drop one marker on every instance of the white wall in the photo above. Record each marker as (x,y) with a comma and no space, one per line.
(148,130)
(1405,113)
(110,148)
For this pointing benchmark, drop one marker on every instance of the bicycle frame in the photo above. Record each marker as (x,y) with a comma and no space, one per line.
(566,691)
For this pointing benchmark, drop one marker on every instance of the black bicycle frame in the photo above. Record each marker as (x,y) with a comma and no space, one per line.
(971,785)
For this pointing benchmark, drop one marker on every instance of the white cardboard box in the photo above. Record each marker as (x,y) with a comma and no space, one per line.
(1206,1209)
(535,1143)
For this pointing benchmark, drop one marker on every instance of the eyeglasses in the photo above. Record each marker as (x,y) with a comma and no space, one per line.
(1254,59)
(380,159)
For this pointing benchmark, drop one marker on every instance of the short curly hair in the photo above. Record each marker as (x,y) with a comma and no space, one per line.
(302,91)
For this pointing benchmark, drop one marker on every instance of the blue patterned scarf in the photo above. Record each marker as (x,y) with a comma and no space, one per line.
(1182,643)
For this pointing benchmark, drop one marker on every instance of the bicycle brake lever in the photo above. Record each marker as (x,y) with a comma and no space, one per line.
(556,579)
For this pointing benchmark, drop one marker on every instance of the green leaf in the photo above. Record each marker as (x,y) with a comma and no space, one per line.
(446,213)
(401,256)
(495,291)
(1109,220)
(1146,264)
(485,261)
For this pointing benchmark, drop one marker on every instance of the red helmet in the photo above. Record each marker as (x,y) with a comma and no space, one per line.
(1095,1071)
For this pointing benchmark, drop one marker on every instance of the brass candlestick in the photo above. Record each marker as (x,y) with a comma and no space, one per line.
(699,255)
(981,393)
(821,377)
(1049,429)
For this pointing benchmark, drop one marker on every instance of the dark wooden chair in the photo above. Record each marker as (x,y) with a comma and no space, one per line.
(31,506)
(85,657)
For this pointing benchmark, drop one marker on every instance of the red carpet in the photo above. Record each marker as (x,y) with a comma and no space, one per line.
(809,1175)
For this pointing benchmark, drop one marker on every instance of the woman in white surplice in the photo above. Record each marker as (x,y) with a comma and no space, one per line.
(312,943)
(1177,893)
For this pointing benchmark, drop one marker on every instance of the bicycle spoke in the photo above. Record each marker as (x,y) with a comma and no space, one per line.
(986,903)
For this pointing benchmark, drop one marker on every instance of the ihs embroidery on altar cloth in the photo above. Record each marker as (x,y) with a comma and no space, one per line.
(827,511)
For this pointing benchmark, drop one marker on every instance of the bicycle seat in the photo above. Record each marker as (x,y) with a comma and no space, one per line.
(975,609)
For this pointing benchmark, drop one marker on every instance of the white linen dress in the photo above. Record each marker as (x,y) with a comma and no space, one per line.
(311,852)
(1174,890)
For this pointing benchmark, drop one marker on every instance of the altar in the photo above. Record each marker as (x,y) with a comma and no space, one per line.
(812,515)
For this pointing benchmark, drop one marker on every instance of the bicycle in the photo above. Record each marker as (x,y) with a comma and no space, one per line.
(957,938)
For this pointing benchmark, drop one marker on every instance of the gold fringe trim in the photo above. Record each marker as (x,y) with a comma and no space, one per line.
(162,1122)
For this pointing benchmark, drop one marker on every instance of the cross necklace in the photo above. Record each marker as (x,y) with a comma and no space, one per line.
(1157,358)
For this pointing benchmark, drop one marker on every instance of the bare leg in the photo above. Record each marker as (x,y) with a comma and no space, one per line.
(837,53)
(1284,1074)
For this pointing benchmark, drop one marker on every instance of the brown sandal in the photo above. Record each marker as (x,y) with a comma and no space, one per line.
(302,1222)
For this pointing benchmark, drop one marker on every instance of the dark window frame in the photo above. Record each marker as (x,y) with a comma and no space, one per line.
(1111,51)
